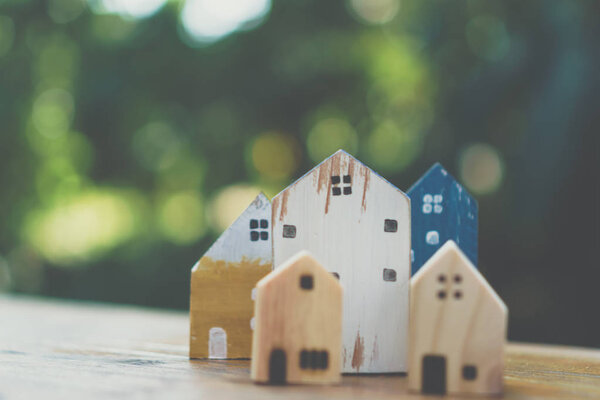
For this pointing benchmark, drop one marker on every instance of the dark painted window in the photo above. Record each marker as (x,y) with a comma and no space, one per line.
(390,225)
(389,275)
(306,282)
(314,359)
(337,276)
(257,233)
(289,231)
(346,188)
(469,372)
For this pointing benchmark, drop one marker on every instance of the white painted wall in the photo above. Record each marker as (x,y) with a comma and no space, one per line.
(349,239)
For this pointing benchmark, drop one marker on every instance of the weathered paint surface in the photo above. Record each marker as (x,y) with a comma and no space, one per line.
(222,297)
(223,279)
(339,210)
(442,210)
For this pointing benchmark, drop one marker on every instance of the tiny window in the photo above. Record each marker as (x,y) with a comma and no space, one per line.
(389,275)
(442,278)
(457,278)
(264,224)
(254,236)
(337,276)
(315,359)
(390,225)
(289,231)
(469,372)
(304,356)
(335,179)
(264,235)
(458,295)
(324,360)
(347,179)
(253,224)
(336,191)
(347,190)
(306,282)
(441,294)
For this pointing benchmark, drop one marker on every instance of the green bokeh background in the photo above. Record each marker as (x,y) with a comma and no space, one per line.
(129,142)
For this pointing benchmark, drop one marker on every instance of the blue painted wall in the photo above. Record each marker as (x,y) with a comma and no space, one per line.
(441,210)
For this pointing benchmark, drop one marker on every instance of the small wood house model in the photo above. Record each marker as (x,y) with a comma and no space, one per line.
(441,210)
(298,334)
(221,303)
(358,225)
(457,328)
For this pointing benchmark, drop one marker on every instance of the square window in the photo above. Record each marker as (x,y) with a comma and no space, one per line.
(389,275)
(253,236)
(264,235)
(469,372)
(390,225)
(253,223)
(336,191)
(347,179)
(335,179)
(306,282)
(324,360)
(315,361)
(264,224)
(347,189)
(289,231)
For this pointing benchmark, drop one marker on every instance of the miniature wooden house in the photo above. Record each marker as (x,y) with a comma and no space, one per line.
(221,303)
(457,328)
(358,225)
(442,210)
(298,331)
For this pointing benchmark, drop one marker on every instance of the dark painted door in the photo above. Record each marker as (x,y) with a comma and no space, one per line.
(277,367)
(434,375)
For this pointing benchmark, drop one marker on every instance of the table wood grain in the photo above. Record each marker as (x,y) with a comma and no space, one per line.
(61,349)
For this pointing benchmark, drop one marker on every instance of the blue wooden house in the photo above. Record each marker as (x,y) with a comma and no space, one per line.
(441,210)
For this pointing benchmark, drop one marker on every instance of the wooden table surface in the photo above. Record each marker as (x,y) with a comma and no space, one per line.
(60,349)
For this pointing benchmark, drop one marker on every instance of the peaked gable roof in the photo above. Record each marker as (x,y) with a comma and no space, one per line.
(338,153)
(223,247)
(437,170)
(302,260)
(451,249)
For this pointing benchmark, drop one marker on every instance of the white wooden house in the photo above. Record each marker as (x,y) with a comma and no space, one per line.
(358,225)
(222,283)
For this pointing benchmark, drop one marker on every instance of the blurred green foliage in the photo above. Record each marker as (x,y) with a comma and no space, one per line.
(133,132)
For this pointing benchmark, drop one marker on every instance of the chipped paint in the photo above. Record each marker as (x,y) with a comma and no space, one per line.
(210,308)
(344,356)
(375,351)
(284,204)
(358,356)
(366,174)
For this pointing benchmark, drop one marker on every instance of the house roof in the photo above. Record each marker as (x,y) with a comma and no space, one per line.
(450,248)
(430,174)
(340,151)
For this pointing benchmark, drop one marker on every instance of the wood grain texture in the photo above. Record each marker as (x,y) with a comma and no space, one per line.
(358,225)
(221,304)
(441,210)
(53,349)
(458,327)
(299,313)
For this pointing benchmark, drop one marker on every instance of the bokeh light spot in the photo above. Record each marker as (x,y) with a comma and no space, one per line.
(206,21)
(62,11)
(156,146)
(329,135)
(229,203)
(53,112)
(481,168)
(83,227)
(392,148)
(7,34)
(274,155)
(130,9)
(182,217)
(375,11)
(487,37)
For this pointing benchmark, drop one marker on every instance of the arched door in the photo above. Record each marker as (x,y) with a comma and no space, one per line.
(217,343)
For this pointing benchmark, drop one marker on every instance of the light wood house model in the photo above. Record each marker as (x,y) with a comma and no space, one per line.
(298,333)
(222,282)
(457,328)
(358,225)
